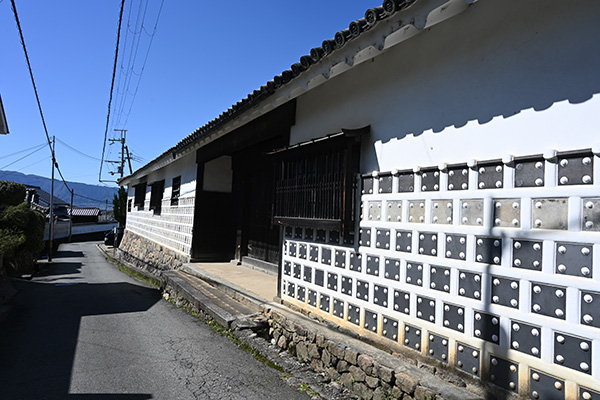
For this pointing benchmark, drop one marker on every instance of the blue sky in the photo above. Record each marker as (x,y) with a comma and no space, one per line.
(205,56)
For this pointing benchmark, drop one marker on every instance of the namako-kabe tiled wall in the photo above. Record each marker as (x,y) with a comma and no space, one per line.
(488,266)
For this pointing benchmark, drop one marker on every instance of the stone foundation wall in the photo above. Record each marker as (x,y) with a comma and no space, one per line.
(148,255)
(368,372)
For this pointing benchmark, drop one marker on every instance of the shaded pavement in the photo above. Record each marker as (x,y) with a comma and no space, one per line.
(81,329)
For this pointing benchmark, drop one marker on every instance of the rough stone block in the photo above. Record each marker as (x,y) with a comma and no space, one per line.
(347,380)
(405,382)
(372,382)
(385,374)
(332,373)
(313,351)
(423,393)
(365,363)
(357,374)
(302,351)
(362,391)
(342,366)
(351,355)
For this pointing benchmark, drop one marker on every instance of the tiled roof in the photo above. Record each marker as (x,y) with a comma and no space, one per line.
(44,197)
(372,17)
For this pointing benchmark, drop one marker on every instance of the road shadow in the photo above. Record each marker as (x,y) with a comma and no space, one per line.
(39,337)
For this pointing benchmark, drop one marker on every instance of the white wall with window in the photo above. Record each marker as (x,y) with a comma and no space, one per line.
(163,205)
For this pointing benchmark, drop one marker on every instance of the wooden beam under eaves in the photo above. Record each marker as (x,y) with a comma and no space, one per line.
(3,123)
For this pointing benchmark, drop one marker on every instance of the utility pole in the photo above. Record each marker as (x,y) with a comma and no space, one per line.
(71,218)
(121,168)
(129,160)
(51,226)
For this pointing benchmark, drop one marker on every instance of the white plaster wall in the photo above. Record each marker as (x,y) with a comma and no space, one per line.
(504,78)
(173,227)
(218,175)
(508,77)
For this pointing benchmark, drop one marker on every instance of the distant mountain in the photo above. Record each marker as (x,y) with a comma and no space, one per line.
(93,195)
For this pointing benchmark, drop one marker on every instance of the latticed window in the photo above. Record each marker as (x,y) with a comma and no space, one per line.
(140,195)
(156,196)
(175,191)
(315,183)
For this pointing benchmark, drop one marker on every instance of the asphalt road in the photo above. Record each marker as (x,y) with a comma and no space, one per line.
(84,330)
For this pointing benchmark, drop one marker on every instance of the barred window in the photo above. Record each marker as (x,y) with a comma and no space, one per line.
(175,191)
(315,184)
(140,195)
(156,196)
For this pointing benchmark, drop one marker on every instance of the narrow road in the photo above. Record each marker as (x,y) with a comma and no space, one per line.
(84,330)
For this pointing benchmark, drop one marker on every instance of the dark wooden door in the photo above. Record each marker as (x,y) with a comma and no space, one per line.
(214,236)
(262,238)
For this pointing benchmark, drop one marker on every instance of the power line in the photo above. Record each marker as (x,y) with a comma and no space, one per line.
(22,151)
(25,156)
(111,87)
(89,198)
(32,164)
(127,72)
(37,97)
(144,64)
(77,151)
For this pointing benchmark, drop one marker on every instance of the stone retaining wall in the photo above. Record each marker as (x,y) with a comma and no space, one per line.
(368,372)
(148,255)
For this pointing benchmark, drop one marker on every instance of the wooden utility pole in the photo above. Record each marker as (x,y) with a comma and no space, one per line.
(71,218)
(51,226)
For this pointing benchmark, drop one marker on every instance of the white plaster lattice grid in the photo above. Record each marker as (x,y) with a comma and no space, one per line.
(491,267)
(171,228)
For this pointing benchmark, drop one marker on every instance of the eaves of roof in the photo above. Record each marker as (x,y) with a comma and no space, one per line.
(332,58)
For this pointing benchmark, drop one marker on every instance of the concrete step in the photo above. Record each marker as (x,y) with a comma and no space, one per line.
(206,297)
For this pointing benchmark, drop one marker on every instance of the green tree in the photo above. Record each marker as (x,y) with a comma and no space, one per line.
(11,194)
(21,229)
(120,206)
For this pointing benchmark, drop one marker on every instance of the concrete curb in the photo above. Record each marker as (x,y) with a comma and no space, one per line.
(132,267)
(198,299)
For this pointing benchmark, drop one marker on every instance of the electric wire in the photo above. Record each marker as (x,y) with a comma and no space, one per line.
(32,164)
(89,198)
(77,151)
(144,63)
(37,97)
(25,156)
(126,73)
(111,87)
(22,151)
